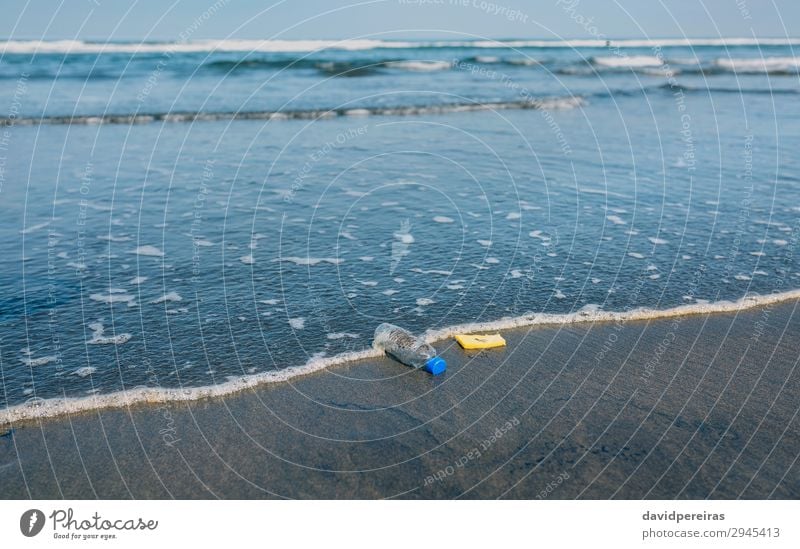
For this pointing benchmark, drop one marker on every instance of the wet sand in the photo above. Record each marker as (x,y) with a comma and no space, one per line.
(686,407)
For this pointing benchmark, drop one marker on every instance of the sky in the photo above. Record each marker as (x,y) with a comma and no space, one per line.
(396,19)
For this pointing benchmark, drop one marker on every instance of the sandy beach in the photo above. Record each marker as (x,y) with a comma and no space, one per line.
(702,406)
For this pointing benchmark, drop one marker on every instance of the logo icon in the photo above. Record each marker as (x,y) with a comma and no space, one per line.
(31,522)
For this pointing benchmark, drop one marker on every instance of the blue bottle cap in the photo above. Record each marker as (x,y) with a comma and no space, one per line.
(435,365)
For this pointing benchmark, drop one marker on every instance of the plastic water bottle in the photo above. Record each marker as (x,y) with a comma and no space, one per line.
(411,351)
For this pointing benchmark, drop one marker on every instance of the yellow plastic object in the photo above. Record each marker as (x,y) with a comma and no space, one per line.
(480,341)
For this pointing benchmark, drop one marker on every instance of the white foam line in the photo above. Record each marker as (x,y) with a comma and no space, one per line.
(45,408)
(31,228)
(239,45)
(546,103)
(542,319)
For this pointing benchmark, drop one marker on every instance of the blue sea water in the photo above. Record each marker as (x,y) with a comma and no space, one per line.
(172,215)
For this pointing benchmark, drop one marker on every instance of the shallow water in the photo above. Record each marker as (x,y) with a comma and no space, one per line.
(266,208)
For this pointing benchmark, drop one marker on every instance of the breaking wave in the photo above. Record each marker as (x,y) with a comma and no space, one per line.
(233,45)
(718,89)
(772,65)
(628,61)
(547,103)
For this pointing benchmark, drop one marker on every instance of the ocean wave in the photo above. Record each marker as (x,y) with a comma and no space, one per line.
(198,46)
(634,61)
(658,66)
(227,65)
(354,67)
(420,66)
(38,408)
(673,88)
(770,65)
(546,103)
(718,89)
(234,45)
(45,75)
(350,67)
(524,62)
(359,67)
(377,66)
(774,66)
(634,43)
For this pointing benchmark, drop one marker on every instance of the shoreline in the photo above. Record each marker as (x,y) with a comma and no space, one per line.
(36,409)
(703,406)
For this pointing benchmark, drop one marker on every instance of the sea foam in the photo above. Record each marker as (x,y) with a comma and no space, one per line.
(544,103)
(243,45)
(42,408)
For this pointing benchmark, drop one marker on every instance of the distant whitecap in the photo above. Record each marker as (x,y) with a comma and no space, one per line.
(148,251)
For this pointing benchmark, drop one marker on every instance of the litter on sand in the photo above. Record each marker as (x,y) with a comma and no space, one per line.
(413,351)
(480,341)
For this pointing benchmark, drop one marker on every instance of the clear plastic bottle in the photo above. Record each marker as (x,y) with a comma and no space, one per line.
(408,349)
